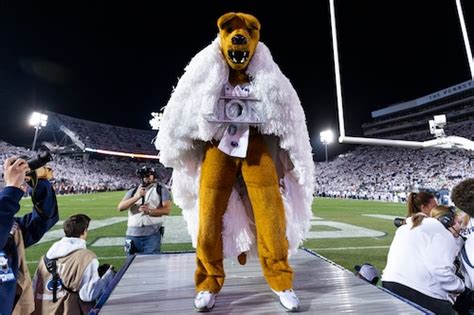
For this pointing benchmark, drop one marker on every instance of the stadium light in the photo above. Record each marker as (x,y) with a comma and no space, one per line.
(37,120)
(327,137)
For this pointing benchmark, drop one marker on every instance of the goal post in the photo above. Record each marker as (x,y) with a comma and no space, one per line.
(441,141)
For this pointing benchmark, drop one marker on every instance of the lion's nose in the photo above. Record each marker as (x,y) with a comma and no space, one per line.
(239,40)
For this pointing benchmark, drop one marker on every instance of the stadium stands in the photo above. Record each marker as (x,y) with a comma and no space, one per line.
(388,173)
(402,119)
(94,135)
(74,174)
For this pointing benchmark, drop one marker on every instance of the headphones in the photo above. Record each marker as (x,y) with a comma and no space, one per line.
(447,220)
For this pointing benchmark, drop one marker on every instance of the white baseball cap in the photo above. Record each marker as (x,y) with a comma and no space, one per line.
(368,272)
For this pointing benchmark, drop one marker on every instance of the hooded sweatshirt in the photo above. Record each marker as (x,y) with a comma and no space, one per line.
(77,268)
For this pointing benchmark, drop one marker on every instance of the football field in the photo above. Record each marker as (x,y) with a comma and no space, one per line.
(348,232)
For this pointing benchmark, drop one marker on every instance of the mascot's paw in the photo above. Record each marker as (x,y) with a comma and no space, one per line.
(242,258)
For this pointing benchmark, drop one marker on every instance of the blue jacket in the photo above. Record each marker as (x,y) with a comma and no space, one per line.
(33,226)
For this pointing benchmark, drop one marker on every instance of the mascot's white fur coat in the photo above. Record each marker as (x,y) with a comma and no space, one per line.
(184,128)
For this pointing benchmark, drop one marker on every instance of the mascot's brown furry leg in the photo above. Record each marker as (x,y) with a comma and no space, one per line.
(218,173)
(260,177)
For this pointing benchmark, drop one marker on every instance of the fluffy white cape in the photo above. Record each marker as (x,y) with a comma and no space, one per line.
(184,129)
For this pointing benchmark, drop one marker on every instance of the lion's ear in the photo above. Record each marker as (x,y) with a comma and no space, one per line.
(224,19)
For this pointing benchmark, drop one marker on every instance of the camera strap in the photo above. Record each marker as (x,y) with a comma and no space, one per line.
(52,267)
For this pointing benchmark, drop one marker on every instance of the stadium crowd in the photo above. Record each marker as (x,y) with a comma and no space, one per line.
(79,175)
(103,136)
(387,173)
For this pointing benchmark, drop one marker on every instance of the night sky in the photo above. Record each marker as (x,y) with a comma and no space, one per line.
(117,62)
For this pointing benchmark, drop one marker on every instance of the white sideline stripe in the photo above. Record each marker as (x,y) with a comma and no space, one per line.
(100,258)
(350,248)
(175,232)
(381,216)
(344,230)
(95,224)
(110,241)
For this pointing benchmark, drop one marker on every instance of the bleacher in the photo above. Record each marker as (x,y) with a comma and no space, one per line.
(100,136)
(74,174)
(387,173)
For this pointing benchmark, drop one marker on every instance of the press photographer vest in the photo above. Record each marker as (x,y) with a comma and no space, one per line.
(153,199)
(70,269)
(24,291)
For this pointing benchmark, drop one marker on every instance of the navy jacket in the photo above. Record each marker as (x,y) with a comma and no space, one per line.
(33,226)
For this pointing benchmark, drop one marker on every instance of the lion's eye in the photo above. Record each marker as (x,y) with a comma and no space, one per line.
(249,30)
(229,30)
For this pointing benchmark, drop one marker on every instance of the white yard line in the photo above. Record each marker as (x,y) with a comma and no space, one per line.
(349,248)
(381,216)
(95,224)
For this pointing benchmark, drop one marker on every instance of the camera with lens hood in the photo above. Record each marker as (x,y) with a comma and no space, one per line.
(40,160)
(398,222)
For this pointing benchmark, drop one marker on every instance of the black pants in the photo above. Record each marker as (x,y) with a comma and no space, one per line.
(435,305)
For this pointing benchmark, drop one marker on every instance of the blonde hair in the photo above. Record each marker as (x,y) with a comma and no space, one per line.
(435,213)
(465,220)
(438,211)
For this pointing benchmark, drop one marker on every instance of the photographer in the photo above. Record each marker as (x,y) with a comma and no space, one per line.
(429,277)
(17,233)
(147,205)
(74,269)
(417,202)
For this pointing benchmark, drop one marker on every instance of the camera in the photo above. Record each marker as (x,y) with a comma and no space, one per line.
(234,109)
(40,160)
(398,222)
(145,171)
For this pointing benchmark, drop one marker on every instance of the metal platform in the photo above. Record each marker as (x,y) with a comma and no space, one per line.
(164,283)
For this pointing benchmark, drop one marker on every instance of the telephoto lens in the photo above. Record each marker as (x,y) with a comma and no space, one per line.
(398,222)
(40,160)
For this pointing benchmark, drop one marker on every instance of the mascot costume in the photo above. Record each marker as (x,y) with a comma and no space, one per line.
(235,134)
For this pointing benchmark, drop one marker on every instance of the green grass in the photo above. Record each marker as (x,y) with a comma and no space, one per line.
(351,212)
(374,250)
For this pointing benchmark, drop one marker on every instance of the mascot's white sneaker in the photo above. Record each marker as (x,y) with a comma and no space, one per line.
(204,301)
(288,300)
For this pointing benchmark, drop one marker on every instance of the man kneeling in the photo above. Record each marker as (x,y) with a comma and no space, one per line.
(67,279)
